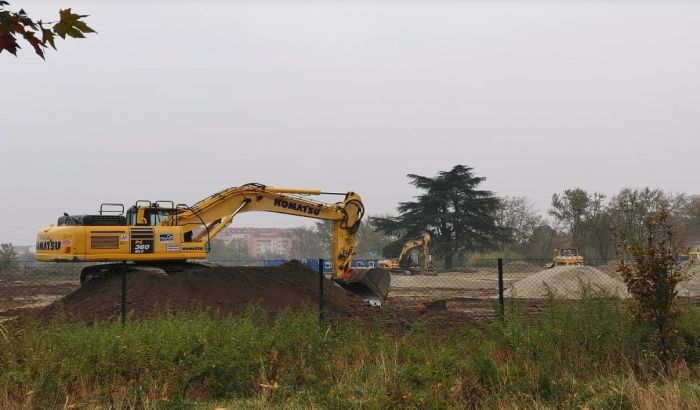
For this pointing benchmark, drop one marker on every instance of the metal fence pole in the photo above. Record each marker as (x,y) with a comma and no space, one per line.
(123,294)
(320,290)
(501,301)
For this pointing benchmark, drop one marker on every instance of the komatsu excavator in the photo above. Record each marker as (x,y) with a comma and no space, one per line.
(403,264)
(163,235)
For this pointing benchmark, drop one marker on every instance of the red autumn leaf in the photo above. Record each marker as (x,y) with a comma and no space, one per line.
(35,42)
(9,43)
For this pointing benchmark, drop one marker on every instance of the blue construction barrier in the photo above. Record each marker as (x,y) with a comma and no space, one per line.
(327,268)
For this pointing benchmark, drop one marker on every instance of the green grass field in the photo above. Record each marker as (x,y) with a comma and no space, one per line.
(587,354)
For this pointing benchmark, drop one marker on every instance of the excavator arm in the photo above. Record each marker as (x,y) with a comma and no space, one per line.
(218,211)
(406,250)
(204,220)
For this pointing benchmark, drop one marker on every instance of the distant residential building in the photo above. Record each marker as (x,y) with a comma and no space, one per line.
(261,241)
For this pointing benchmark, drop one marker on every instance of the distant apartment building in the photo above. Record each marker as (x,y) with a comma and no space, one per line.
(262,242)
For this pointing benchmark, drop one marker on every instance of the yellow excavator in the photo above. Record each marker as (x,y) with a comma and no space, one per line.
(565,257)
(403,263)
(164,235)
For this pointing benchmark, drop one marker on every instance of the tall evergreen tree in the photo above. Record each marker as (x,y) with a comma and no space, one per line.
(459,216)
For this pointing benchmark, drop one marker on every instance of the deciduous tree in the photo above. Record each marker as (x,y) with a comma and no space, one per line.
(648,264)
(630,207)
(519,219)
(222,251)
(307,244)
(586,219)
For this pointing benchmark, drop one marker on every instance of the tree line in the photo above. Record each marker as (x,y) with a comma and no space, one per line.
(468,222)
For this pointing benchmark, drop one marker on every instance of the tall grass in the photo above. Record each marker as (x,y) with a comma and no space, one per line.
(583,354)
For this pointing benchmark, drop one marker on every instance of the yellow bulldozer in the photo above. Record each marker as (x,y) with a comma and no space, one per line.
(565,257)
(166,235)
(404,263)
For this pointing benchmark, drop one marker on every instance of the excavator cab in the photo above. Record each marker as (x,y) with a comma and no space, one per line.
(147,213)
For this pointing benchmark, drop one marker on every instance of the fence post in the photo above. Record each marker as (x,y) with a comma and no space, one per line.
(320,290)
(123,294)
(501,301)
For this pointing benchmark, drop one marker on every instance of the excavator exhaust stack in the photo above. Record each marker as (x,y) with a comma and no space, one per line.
(370,284)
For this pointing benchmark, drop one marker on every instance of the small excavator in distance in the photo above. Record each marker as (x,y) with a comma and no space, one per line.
(403,263)
(165,236)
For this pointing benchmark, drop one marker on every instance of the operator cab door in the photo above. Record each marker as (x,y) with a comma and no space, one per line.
(149,236)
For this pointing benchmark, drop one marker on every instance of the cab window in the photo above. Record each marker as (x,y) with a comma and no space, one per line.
(156,217)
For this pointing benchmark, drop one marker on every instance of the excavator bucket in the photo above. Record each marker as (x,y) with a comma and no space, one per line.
(370,284)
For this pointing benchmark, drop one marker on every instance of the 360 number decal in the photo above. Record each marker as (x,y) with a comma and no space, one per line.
(142,246)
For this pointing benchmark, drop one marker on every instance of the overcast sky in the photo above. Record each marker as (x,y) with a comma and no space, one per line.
(179,100)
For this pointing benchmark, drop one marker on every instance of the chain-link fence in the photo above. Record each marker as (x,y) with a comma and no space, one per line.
(482,288)
(487,287)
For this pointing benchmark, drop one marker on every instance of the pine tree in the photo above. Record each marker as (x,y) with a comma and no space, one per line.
(459,216)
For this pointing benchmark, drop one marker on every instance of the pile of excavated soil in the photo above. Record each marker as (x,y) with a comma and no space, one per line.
(566,282)
(610,269)
(227,290)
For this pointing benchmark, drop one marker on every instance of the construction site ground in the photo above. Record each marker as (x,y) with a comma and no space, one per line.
(452,297)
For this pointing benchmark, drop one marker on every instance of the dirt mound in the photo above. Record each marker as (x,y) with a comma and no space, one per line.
(224,289)
(566,282)
(610,269)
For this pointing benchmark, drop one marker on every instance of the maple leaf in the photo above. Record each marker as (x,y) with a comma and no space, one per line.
(9,43)
(70,25)
(9,22)
(25,20)
(35,42)
(47,36)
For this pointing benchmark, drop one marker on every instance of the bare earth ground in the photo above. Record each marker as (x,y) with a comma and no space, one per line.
(18,296)
(471,296)
(458,296)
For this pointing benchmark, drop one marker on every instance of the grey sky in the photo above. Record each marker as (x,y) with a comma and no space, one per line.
(178,101)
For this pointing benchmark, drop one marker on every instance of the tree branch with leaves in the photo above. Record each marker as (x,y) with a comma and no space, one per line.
(39,34)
